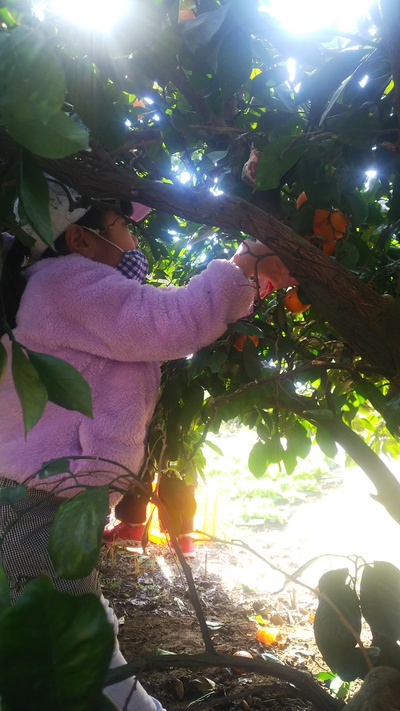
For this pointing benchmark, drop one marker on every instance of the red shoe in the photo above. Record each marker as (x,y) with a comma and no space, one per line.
(187,546)
(124,532)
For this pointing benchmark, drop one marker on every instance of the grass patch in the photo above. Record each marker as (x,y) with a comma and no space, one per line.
(247,502)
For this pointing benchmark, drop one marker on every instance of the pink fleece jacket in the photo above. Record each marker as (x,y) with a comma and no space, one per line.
(115,331)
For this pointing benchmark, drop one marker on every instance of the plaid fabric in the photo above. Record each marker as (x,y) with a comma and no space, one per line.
(134,265)
(24,536)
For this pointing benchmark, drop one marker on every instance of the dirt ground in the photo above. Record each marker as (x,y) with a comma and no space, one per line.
(238,591)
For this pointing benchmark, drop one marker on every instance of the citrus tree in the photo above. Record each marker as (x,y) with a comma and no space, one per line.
(228,126)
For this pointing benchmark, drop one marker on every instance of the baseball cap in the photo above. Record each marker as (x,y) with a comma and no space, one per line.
(66,207)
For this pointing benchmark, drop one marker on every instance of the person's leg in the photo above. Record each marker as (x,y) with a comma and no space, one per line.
(131,513)
(189,511)
(180,503)
(128,694)
(133,507)
(25,528)
(186,543)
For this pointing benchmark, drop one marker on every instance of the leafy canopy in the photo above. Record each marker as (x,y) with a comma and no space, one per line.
(188,103)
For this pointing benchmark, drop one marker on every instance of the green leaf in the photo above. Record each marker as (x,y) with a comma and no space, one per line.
(55,466)
(32,84)
(290,461)
(271,657)
(214,447)
(302,219)
(30,389)
(34,196)
(96,108)
(5,600)
(392,415)
(357,207)
(59,137)
(13,494)
(319,413)
(54,650)
(200,32)
(250,329)
(258,459)
(298,440)
(76,533)
(326,442)
(3,361)
(321,83)
(347,254)
(394,212)
(324,676)
(234,61)
(277,158)
(251,361)
(65,385)
(193,398)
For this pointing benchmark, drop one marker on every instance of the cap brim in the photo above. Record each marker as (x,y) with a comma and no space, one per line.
(135,211)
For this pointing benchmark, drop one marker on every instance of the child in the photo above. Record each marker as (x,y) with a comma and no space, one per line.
(86,304)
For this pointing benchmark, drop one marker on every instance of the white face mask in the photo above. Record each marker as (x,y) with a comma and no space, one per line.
(133,264)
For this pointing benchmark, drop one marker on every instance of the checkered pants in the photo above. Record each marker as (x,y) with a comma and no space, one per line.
(24,537)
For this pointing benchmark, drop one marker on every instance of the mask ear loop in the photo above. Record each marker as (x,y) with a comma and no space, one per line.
(98,234)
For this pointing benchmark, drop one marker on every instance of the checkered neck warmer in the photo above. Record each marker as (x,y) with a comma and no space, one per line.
(134,265)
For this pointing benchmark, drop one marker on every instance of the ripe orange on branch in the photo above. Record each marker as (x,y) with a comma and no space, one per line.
(302,198)
(331,224)
(138,103)
(241,340)
(293,303)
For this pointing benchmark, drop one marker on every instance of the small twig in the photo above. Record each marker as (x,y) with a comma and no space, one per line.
(135,146)
(218,129)
(209,646)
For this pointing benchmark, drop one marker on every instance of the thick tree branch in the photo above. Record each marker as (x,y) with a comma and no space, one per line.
(301,680)
(365,320)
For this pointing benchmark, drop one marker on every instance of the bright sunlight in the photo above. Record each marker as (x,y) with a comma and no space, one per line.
(93,14)
(312,15)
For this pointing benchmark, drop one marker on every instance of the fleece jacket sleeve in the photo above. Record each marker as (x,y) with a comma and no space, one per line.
(93,308)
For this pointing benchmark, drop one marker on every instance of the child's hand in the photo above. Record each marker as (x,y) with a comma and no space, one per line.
(259,261)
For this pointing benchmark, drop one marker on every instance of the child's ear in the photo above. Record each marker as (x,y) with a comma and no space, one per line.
(80,241)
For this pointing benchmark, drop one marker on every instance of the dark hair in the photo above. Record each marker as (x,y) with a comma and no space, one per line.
(13,282)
